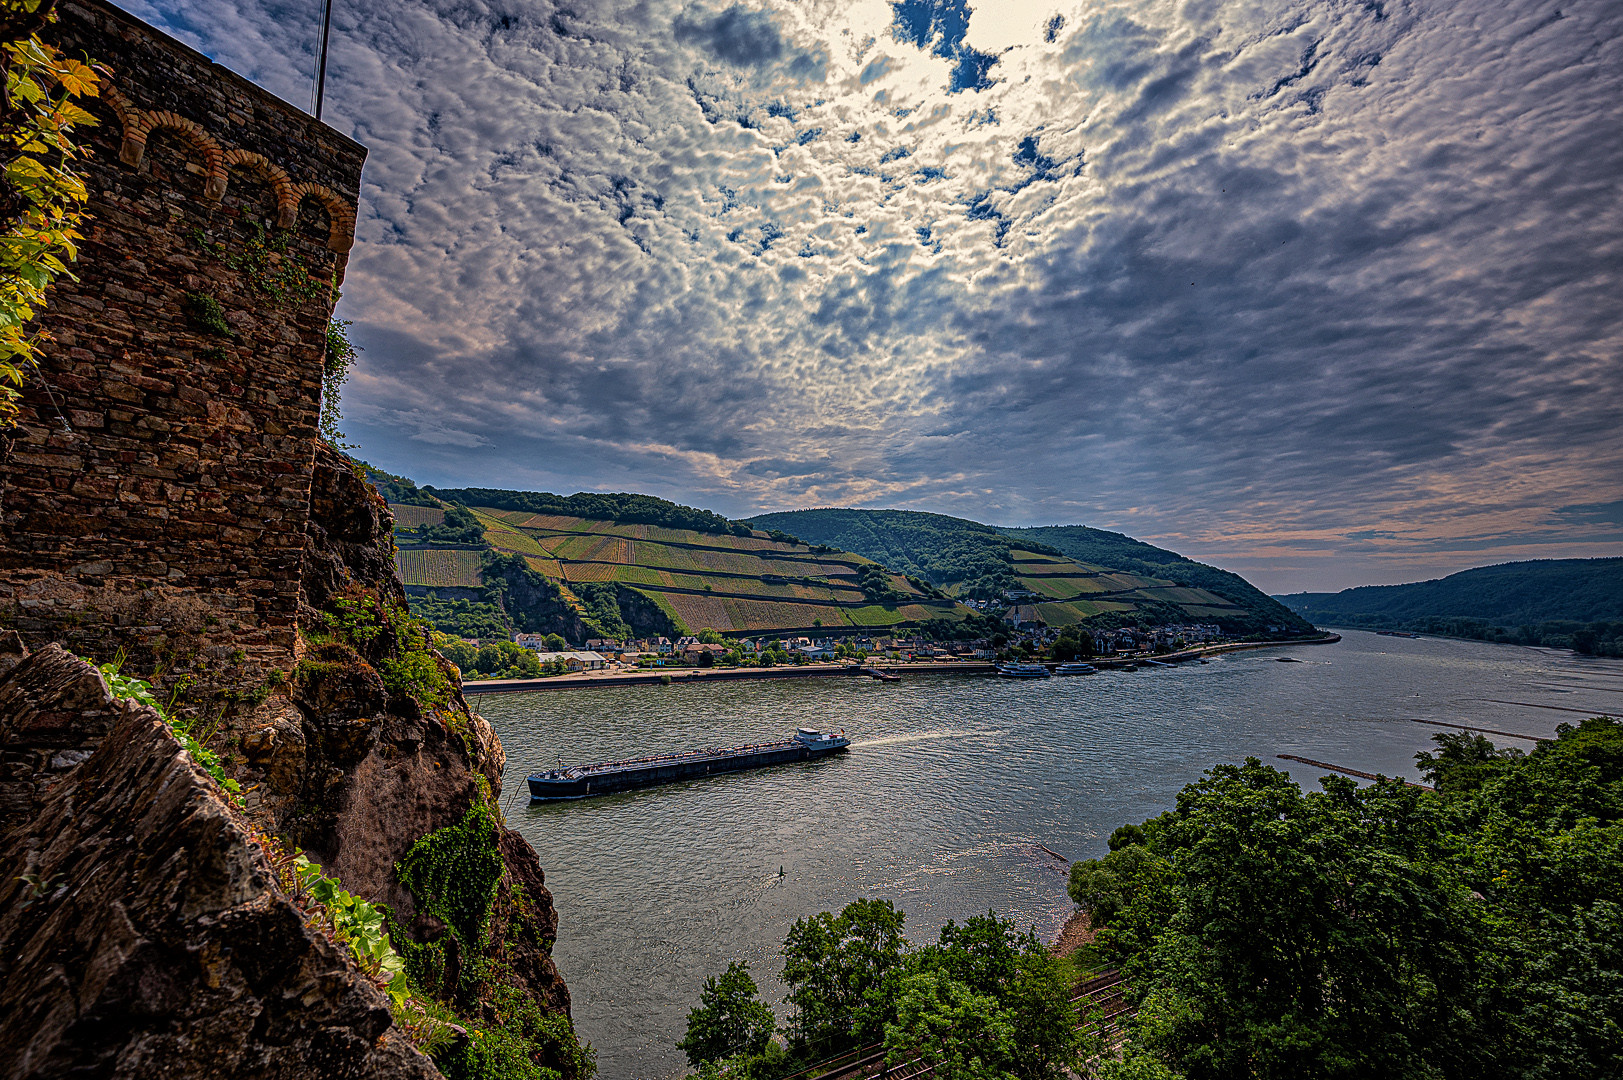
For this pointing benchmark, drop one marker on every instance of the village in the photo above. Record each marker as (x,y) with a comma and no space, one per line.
(708,649)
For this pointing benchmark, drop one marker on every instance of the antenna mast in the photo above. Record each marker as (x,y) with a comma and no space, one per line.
(321,73)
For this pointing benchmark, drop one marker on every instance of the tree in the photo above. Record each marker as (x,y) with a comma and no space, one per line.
(838,970)
(962,1035)
(1073,645)
(1463,762)
(1105,886)
(708,636)
(988,957)
(1269,934)
(730,1020)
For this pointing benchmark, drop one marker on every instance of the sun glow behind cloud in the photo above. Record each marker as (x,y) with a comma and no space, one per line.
(1290,286)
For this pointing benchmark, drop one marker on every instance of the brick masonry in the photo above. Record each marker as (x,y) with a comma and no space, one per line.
(155,493)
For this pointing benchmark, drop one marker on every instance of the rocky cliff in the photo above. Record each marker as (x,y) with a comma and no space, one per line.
(142,929)
(370,754)
(165,501)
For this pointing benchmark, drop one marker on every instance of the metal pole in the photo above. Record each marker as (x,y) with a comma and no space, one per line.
(321,74)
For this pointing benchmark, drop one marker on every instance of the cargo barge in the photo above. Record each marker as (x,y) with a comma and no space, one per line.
(579,781)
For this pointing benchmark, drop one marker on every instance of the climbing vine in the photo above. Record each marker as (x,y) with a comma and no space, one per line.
(270,272)
(42,205)
(453,874)
(335,367)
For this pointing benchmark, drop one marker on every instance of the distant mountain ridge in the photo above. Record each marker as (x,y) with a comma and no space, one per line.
(1508,594)
(1073,572)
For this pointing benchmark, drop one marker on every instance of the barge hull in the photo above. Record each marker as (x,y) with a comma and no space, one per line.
(544,789)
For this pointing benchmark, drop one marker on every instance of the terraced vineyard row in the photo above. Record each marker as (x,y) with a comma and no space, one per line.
(439,568)
(1078,591)
(731,583)
(411,517)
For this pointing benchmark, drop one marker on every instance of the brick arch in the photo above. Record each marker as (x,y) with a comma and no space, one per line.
(120,105)
(144,124)
(341,234)
(287,193)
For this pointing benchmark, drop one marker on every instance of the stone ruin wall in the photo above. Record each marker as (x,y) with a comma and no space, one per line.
(154,495)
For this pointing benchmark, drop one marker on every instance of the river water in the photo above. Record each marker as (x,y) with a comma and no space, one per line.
(953,787)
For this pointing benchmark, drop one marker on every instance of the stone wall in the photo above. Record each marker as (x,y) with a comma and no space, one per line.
(155,493)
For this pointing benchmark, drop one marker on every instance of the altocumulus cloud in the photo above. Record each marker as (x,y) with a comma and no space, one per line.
(1325,291)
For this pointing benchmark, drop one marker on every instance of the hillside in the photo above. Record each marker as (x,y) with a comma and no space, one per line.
(632,565)
(1124,553)
(1062,575)
(1575,603)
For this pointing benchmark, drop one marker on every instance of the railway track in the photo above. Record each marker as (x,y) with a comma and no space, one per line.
(1100,1003)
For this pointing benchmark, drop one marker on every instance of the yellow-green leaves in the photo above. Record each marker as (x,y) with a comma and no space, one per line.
(38,243)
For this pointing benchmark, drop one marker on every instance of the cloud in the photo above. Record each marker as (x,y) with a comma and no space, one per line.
(1323,291)
(748,38)
(1606,513)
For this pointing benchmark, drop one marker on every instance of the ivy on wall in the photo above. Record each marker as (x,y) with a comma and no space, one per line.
(455,875)
(270,273)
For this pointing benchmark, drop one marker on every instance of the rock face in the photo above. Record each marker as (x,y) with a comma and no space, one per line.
(142,931)
(354,774)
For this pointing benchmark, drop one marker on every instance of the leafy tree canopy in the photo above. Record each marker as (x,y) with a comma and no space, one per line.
(730,1020)
(1384,930)
(620,507)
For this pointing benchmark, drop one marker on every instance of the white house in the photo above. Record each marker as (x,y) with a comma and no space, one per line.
(575,661)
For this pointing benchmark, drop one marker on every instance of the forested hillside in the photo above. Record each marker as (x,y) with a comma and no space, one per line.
(1564,603)
(621,507)
(1376,931)
(1061,575)
(1118,550)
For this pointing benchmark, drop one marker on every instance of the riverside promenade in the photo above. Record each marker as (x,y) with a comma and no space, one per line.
(674,676)
(713,675)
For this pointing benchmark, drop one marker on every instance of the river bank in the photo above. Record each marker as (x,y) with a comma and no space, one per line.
(586,679)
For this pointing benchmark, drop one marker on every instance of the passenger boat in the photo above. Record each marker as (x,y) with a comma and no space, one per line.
(1075,667)
(579,781)
(1016,670)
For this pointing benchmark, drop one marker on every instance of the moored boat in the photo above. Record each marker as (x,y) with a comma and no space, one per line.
(579,781)
(1075,667)
(1017,670)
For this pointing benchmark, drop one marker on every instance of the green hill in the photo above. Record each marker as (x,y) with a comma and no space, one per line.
(1568,603)
(592,565)
(1062,575)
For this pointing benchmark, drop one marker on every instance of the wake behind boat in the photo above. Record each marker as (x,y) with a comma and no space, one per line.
(579,781)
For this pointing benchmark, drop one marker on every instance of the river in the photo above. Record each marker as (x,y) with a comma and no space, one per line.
(951,785)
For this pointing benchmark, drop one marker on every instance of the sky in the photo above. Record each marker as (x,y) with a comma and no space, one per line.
(1323,292)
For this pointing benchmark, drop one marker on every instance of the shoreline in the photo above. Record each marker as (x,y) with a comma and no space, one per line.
(811,671)
(1077,932)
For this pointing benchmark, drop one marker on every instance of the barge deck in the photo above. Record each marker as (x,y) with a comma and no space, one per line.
(580,781)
